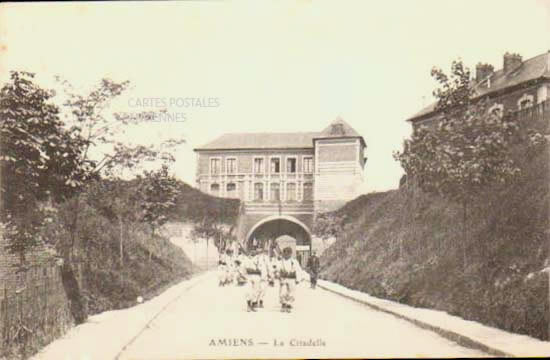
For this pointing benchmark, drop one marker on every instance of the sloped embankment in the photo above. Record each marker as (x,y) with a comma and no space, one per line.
(107,284)
(148,265)
(407,246)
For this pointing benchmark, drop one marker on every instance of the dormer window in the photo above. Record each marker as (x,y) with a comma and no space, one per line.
(497,109)
(337,129)
(526,101)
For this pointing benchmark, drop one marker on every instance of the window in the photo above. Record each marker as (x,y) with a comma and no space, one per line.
(525,104)
(258,191)
(258,165)
(215,166)
(275,165)
(337,129)
(497,109)
(275,192)
(308,191)
(291,192)
(526,101)
(308,165)
(231,189)
(231,165)
(215,189)
(291,165)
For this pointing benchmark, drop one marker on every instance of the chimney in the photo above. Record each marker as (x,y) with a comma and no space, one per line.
(511,62)
(483,71)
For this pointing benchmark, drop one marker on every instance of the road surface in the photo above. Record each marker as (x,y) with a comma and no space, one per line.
(208,321)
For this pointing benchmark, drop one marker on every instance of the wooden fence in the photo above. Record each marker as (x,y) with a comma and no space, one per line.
(33,309)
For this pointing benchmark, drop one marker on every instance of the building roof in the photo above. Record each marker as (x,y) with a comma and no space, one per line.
(339,128)
(261,141)
(530,69)
(297,140)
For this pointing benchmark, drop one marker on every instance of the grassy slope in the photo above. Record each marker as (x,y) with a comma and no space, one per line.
(105,284)
(193,204)
(508,232)
(108,285)
(105,289)
(97,281)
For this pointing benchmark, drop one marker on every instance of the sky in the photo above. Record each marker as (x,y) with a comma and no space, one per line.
(269,66)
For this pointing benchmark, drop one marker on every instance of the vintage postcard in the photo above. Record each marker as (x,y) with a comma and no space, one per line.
(274,179)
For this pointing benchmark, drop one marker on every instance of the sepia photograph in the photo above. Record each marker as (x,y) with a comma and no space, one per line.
(274,179)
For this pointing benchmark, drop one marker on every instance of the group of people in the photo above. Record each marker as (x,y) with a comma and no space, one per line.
(259,268)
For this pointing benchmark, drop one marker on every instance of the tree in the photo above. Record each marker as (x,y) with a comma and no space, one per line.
(467,149)
(211,228)
(158,194)
(328,225)
(119,201)
(101,131)
(39,158)
(206,229)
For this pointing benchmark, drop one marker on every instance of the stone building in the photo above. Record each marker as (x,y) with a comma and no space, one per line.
(282,179)
(521,86)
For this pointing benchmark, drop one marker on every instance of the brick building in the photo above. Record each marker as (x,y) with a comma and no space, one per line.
(521,86)
(283,178)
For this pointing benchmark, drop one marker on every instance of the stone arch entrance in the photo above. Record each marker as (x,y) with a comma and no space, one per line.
(281,231)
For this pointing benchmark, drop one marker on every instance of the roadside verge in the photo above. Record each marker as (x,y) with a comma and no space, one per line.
(106,335)
(466,333)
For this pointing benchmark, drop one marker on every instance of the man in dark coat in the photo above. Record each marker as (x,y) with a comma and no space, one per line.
(313,267)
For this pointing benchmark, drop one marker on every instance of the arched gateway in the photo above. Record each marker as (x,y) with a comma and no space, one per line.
(281,230)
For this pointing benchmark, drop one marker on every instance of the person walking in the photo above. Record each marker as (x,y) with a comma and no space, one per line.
(290,274)
(222,269)
(262,264)
(273,269)
(254,271)
(229,266)
(313,266)
(239,270)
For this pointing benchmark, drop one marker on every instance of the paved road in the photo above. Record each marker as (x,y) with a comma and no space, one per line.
(211,321)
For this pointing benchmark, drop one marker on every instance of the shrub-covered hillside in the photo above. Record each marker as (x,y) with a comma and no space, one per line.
(407,246)
(64,191)
(146,268)
(192,205)
(117,254)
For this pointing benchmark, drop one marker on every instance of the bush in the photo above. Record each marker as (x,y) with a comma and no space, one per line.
(406,245)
